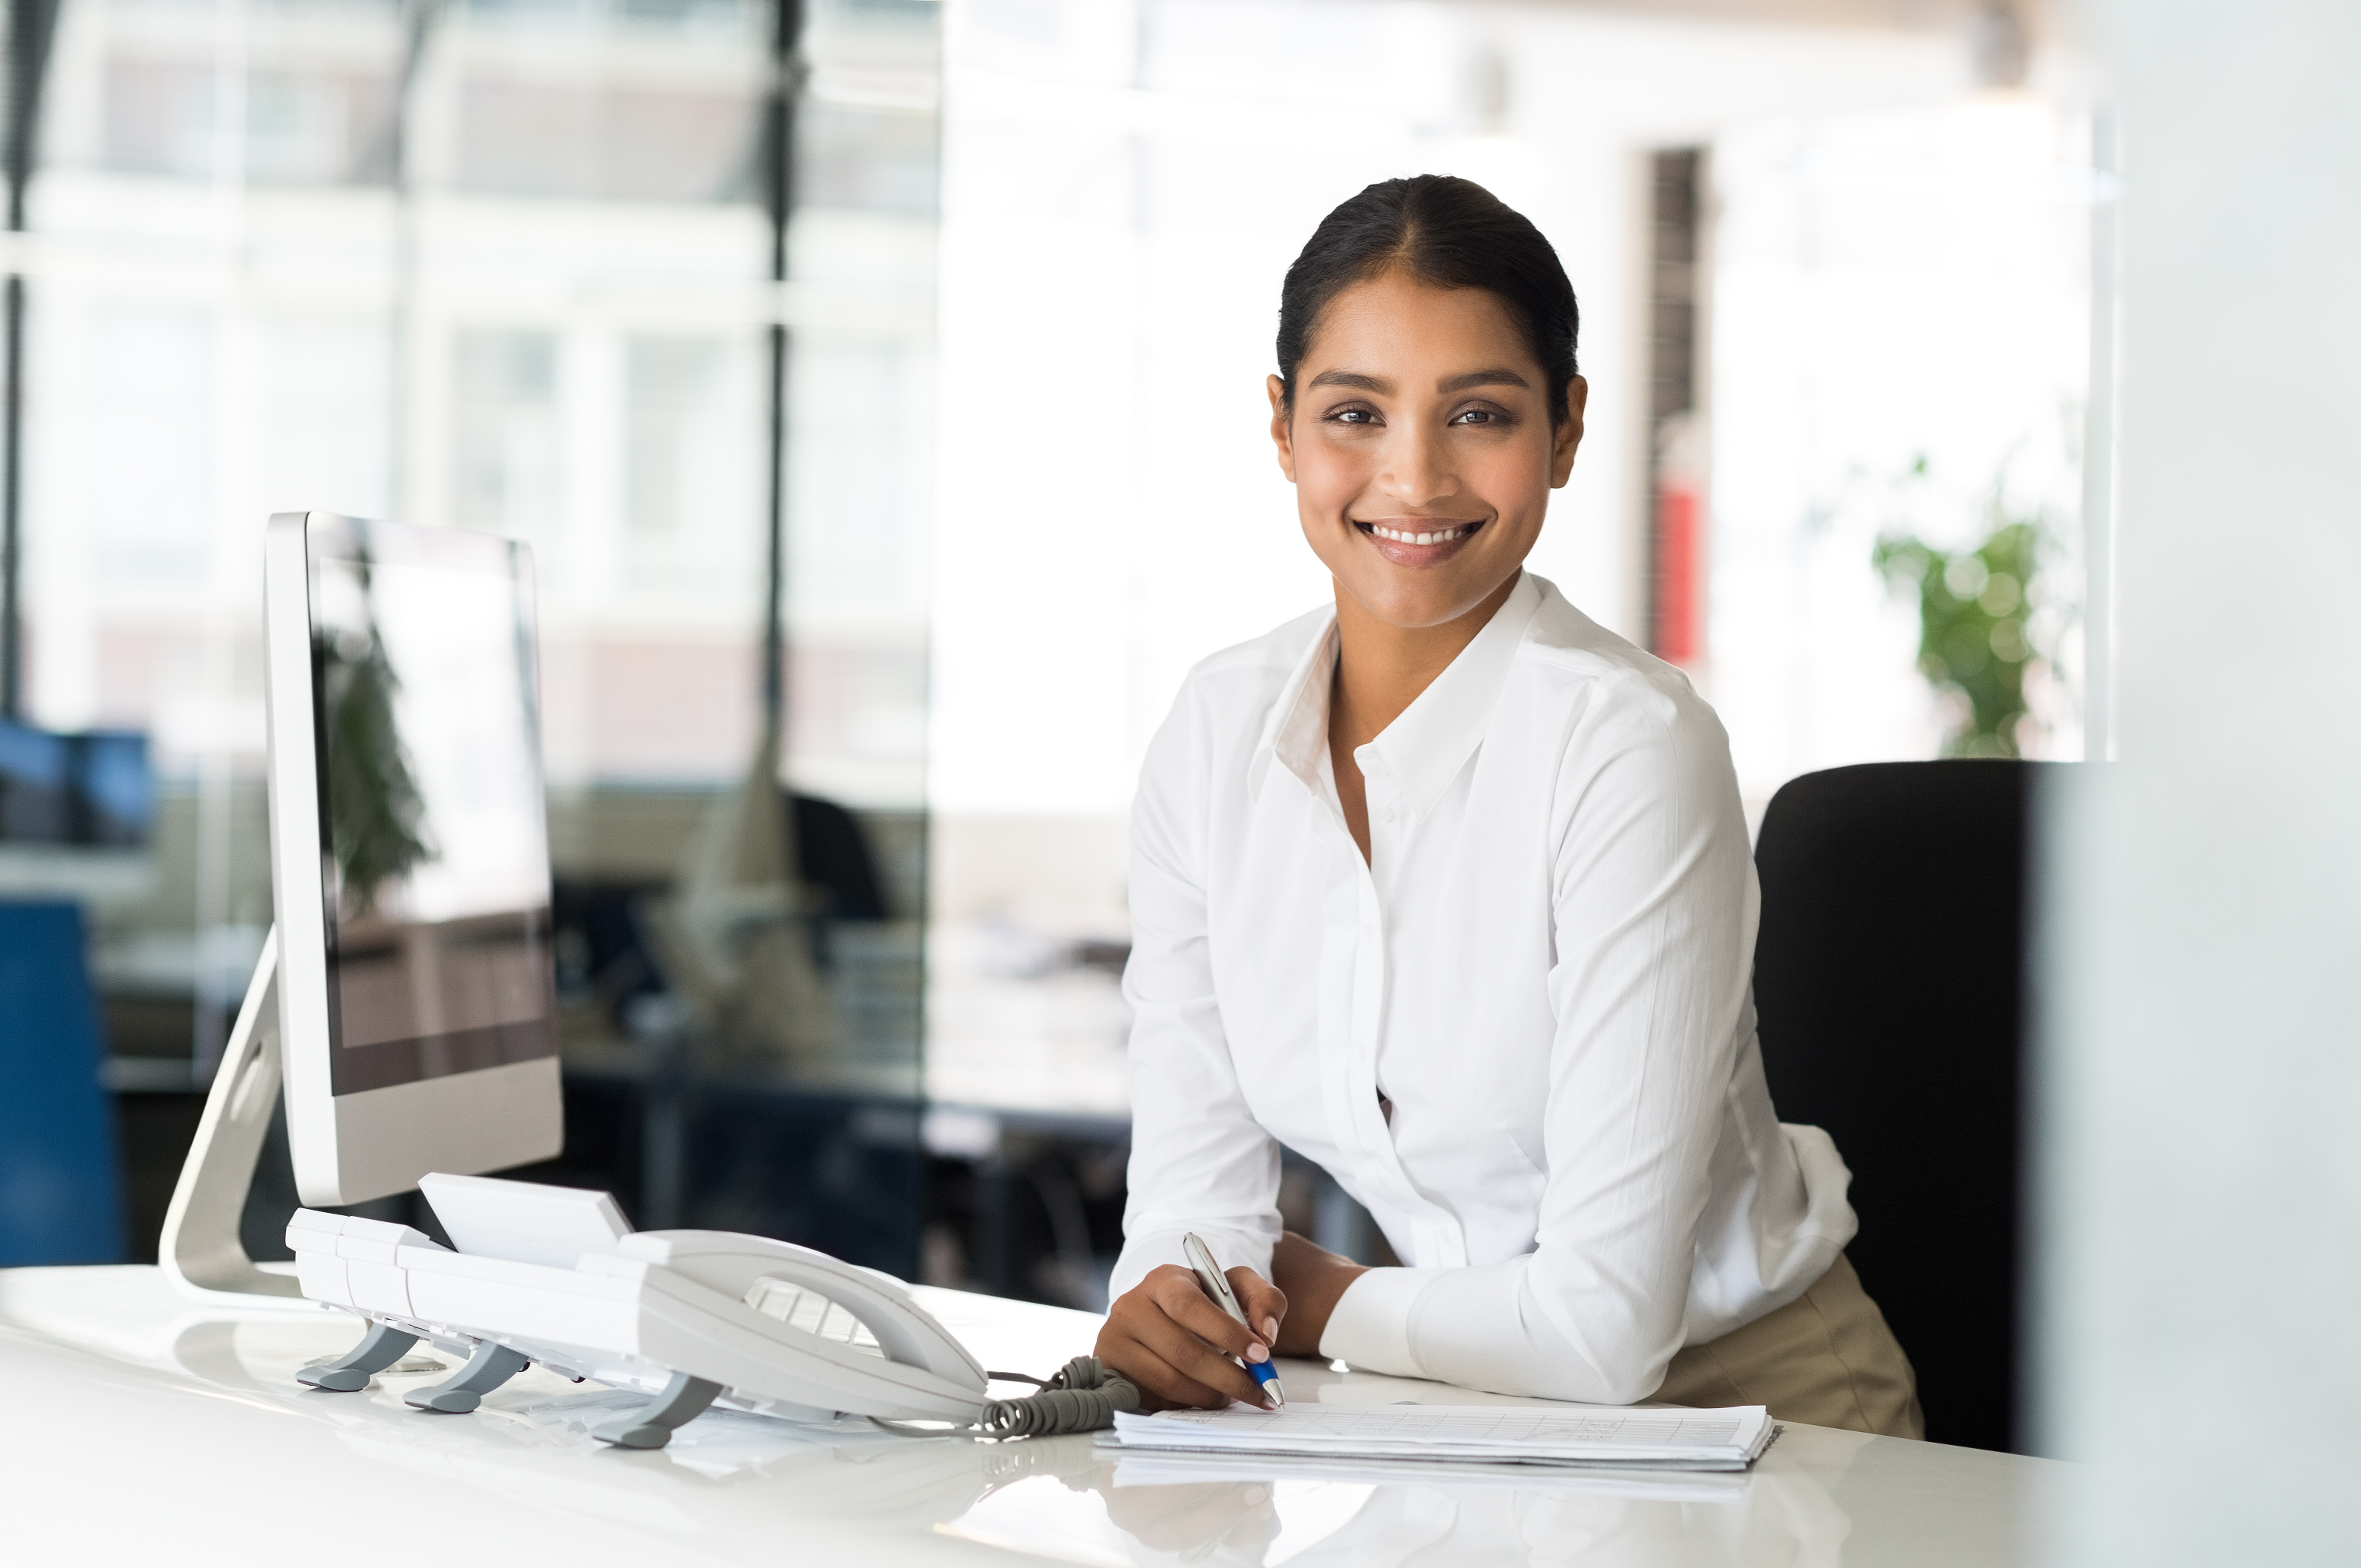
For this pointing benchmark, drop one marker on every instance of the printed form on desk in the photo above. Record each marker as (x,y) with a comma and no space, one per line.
(1594,1437)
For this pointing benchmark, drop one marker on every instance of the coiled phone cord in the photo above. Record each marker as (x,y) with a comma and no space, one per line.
(1082,1396)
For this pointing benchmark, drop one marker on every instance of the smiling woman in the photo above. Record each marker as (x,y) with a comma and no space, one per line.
(1434,425)
(1448,889)
(1433,334)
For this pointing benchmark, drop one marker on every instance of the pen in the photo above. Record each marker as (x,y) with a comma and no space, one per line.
(1201,1258)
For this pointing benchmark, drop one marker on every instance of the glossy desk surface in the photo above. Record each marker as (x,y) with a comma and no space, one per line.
(141,1428)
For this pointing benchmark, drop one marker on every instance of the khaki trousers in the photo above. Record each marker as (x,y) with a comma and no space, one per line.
(1825,1359)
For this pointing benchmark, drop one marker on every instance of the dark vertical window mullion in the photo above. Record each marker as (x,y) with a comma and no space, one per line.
(778,190)
(421,17)
(31,25)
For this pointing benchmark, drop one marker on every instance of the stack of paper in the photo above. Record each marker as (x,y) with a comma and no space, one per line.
(1490,1435)
(1175,1468)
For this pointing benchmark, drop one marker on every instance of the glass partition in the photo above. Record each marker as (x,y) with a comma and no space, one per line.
(644,283)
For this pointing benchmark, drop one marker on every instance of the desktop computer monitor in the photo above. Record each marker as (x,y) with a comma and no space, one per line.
(409,855)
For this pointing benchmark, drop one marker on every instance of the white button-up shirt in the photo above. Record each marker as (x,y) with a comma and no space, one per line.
(1545,965)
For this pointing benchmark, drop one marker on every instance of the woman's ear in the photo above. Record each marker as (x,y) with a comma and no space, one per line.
(1281,435)
(1568,434)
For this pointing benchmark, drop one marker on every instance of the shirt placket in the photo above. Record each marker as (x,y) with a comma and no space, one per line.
(1438,1240)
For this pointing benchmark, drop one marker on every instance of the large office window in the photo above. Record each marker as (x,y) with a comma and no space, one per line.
(511,265)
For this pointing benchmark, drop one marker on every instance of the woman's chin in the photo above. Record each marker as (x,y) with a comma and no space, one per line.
(1415,598)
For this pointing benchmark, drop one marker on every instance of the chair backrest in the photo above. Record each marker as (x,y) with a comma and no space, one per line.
(61,1196)
(1889,975)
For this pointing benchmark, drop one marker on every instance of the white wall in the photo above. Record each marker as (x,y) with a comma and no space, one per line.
(1888,287)
(2203,1192)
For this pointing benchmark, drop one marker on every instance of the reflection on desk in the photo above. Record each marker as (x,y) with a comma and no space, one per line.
(144,1429)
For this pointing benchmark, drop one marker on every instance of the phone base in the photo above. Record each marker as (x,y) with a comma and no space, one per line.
(491,1366)
(382,1346)
(682,1401)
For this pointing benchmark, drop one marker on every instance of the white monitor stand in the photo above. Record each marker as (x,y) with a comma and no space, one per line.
(200,1251)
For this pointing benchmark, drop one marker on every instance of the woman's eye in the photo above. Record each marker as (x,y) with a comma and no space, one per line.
(1475,416)
(1354,416)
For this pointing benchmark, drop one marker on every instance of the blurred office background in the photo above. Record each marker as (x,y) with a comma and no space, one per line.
(915,351)
(532,269)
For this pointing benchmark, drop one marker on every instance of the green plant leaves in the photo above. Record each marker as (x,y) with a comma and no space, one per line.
(1971,610)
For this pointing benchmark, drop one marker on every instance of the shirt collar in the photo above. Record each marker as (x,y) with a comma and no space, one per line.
(1425,746)
(1296,735)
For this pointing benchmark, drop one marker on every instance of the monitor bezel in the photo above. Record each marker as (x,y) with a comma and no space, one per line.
(351,1148)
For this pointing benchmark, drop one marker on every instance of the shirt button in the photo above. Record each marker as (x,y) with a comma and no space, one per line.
(1385,814)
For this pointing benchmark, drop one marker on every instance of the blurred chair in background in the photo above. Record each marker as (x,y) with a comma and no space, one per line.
(1889,975)
(733,938)
(833,859)
(60,1198)
(605,950)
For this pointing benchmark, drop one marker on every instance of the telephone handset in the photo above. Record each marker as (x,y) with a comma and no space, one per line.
(554,1275)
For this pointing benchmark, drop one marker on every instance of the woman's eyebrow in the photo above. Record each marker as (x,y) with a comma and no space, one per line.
(1499,376)
(1352,378)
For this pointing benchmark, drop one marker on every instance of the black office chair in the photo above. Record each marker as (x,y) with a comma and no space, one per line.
(1889,975)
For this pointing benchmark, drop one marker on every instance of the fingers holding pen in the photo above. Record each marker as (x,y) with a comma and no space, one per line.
(1169,1338)
(1265,1305)
(1215,1336)
(1162,1385)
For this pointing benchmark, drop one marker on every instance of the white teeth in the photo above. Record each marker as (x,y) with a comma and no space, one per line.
(1441,536)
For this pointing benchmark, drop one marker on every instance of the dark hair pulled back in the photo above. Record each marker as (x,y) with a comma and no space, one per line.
(1446,233)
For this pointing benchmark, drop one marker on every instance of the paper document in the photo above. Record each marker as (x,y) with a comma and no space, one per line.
(1650,1440)
(1174,1467)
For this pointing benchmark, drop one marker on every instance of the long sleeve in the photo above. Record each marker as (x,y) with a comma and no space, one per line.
(1652,907)
(1200,1161)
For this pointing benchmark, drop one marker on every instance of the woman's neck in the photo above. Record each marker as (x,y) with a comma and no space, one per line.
(1381,668)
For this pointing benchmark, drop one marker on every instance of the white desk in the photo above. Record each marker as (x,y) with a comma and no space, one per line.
(138,1429)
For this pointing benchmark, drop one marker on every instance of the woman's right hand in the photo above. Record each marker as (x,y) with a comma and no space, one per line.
(1167,1337)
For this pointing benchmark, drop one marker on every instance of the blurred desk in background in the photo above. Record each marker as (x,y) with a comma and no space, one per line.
(1027,1020)
(122,1393)
(1028,1118)
(996,1164)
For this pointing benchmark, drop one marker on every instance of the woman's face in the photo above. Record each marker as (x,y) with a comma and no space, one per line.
(1421,415)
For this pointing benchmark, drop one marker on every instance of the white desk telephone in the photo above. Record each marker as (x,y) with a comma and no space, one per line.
(554,1275)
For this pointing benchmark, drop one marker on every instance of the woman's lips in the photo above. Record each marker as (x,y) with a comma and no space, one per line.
(1418,542)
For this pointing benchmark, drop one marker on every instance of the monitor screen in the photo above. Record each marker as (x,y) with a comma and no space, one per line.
(435,855)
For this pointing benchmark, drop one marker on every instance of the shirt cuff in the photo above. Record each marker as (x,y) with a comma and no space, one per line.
(1371,1327)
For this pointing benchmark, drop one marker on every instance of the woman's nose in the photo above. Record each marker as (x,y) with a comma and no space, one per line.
(1415,472)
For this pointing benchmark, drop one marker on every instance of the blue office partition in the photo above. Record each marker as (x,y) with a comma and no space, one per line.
(60,1200)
